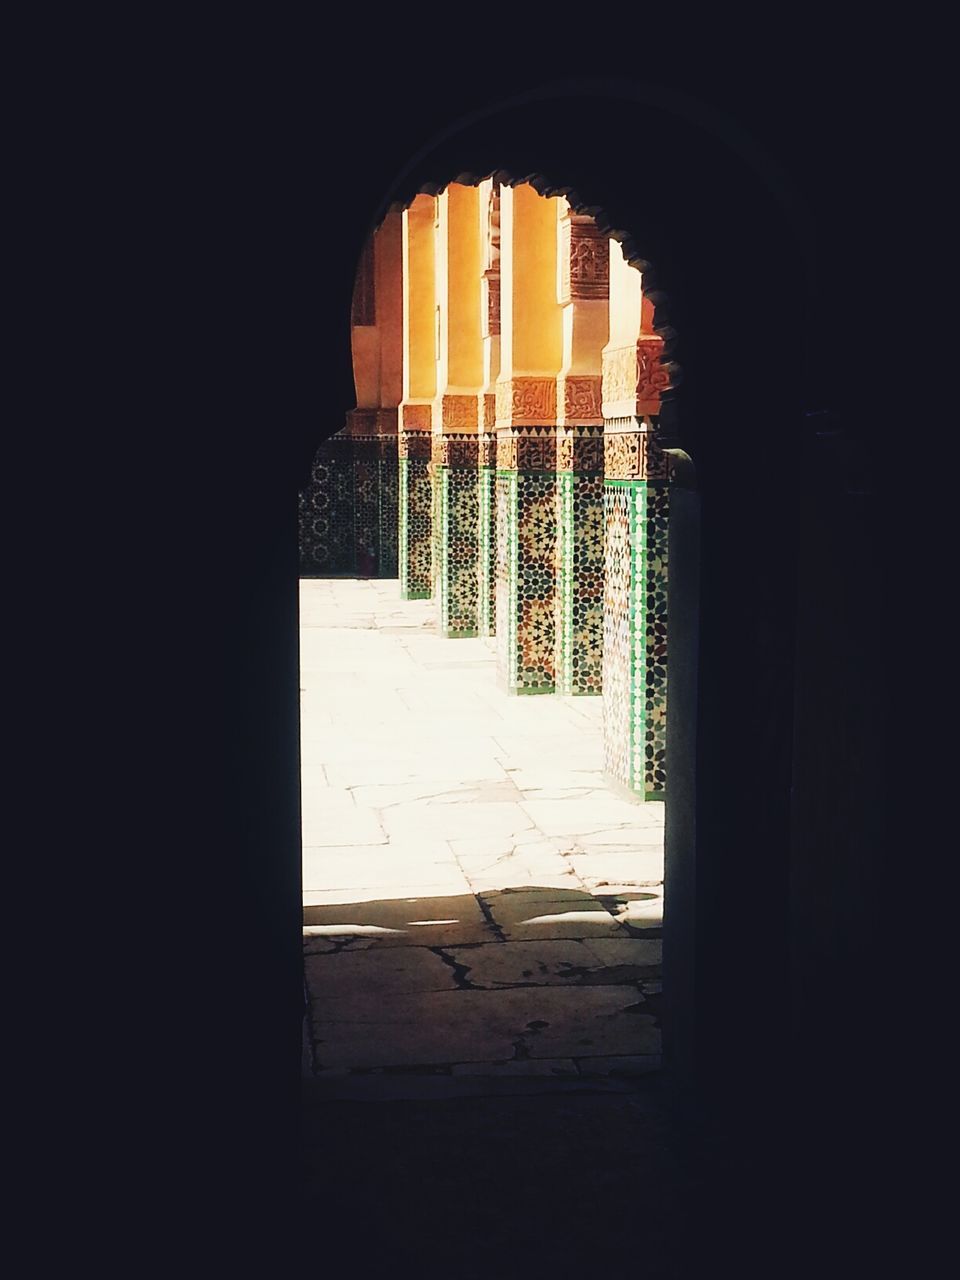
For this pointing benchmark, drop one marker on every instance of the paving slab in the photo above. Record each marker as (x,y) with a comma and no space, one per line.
(447,1027)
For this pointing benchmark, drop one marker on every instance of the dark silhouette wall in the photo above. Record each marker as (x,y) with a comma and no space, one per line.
(741,198)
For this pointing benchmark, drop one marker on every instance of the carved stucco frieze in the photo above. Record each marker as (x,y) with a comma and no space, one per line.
(416,417)
(634,455)
(527,401)
(584,260)
(580,449)
(527,448)
(415,444)
(455,450)
(634,378)
(580,396)
(459,413)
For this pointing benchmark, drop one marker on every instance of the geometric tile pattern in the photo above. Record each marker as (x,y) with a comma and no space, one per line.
(457,548)
(326,511)
(487,514)
(388,490)
(366,472)
(414,528)
(579,601)
(635,635)
(526,514)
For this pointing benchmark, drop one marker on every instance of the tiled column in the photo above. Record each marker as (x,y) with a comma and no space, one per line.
(580,566)
(388,463)
(456,533)
(327,511)
(487,516)
(489,212)
(458,263)
(636,500)
(526,501)
(419,384)
(414,502)
(362,428)
(583,292)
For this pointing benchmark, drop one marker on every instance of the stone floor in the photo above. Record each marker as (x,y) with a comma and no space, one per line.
(481,914)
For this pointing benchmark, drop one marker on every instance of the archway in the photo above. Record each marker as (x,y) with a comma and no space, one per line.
(519,463)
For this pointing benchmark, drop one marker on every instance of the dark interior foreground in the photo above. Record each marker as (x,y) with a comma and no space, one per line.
(760,1148)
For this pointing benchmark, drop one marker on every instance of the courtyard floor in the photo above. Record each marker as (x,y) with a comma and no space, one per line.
(481,913)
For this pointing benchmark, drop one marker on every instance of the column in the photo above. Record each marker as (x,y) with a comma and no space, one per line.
(419,350)
(455,410)
(388,246)
(327,511)
(526,421)
(636,507)
(583,292)
(489,214)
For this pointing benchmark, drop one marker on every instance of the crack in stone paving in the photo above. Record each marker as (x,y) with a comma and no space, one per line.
(460,971)
(488,916)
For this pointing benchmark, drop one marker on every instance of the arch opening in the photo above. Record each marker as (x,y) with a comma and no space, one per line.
(500,484)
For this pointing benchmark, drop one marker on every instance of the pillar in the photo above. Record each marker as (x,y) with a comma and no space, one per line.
(419,385)
(388,245)
(455,411)
(327,511)
(526,422)
(636,507)
(583,292)
(489,216)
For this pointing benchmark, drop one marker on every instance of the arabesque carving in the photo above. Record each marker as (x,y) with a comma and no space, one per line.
(580,395)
